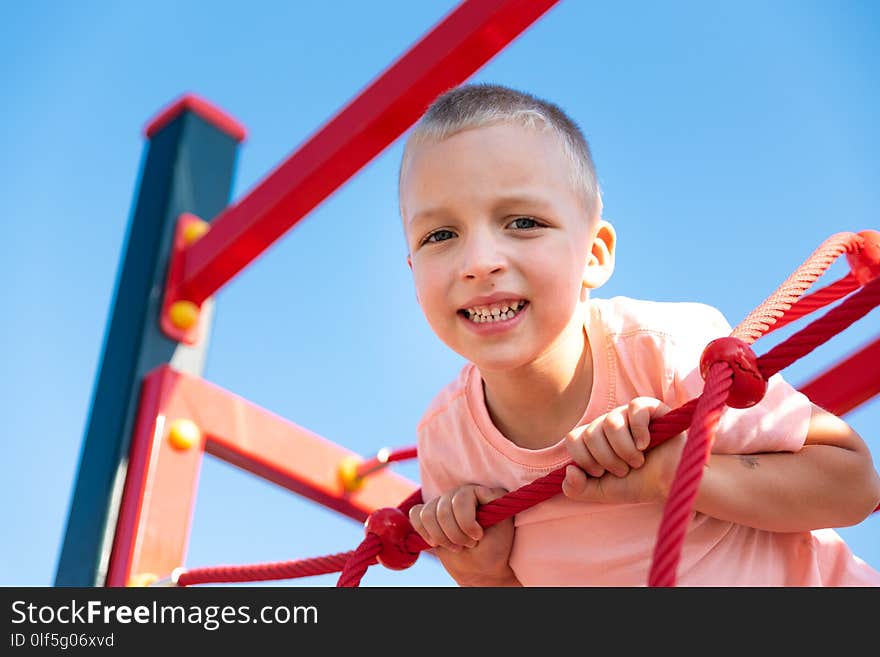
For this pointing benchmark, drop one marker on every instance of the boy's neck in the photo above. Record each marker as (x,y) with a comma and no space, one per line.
(536,408)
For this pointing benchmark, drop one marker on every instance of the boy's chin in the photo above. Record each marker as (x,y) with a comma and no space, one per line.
(499,362)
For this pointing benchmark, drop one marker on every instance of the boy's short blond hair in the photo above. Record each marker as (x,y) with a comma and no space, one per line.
(478,105)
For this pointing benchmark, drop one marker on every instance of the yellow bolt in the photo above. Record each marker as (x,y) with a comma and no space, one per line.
(194,230)
(183,314)
(142,579)
(183,434)
(348,475)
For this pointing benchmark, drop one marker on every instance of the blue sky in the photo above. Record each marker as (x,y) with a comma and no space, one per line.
(730,141)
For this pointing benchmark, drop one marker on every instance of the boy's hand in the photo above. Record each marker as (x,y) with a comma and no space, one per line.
(610,450)
(472,556)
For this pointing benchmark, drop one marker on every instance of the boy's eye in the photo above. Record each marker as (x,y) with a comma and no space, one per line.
(441,235)
(527,220)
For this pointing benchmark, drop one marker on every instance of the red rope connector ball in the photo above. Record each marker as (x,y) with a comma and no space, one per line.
(392,527)
(865,264)
(749,384)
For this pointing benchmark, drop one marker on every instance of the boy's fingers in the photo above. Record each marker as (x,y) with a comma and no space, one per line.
(579,453)
(431,531)
(621,440)
(639,419)
(642,410)
(485,494)
(656,407)
(449,523)
(416,521)
(464,508)
(466,502)
(576,483)
(606,457)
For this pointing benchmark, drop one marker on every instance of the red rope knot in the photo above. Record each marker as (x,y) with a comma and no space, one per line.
(865,263)
(749,385)
(392,527)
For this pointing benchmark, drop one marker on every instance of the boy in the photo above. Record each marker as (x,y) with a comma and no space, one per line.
(502,218)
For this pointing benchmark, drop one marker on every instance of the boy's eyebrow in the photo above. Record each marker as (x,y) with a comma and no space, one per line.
(503,201)
(535,201)
(419,217)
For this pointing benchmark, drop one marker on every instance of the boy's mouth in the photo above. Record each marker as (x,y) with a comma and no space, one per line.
(496,312)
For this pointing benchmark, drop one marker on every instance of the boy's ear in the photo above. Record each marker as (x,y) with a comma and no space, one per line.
(600,263)
(409,262)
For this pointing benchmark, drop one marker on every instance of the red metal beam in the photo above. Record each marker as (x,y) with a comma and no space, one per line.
(160,488)
(850,383)
(452,51)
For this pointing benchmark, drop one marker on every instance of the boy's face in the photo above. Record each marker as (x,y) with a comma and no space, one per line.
(491,217)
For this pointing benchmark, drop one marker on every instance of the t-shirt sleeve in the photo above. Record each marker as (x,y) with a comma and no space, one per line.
(778,423)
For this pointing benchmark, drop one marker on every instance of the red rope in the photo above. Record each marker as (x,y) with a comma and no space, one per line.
(268,571)
(816,300)
(758,322)
(683,492)
(700,414)
(813,335)
(364,556)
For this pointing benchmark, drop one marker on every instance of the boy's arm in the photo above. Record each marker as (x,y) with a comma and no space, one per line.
(829,482)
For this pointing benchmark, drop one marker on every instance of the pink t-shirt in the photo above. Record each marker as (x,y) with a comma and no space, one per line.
(639,348)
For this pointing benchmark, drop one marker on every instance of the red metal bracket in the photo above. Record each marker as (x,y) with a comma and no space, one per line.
(181,318)
(157,501)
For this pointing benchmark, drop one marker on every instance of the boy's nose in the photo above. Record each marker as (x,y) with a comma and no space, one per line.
(481,259)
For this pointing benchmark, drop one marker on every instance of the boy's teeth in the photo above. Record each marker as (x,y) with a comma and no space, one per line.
(494,313)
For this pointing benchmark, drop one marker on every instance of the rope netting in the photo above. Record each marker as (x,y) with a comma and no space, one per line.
(733,376)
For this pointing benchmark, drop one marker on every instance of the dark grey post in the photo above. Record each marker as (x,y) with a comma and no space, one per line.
(189,167)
